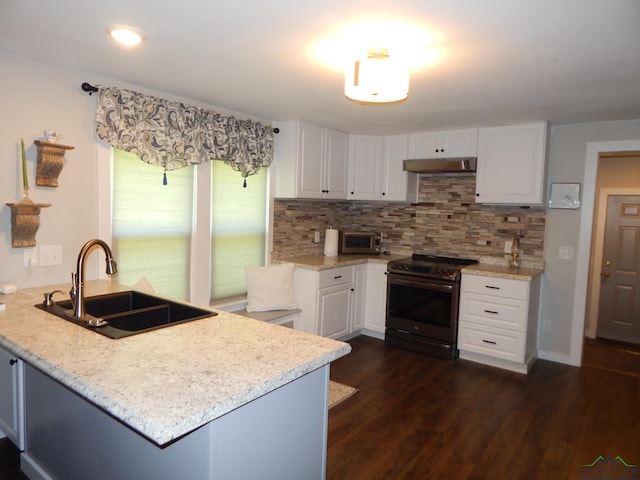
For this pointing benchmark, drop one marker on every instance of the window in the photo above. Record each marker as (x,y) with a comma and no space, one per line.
(153,227)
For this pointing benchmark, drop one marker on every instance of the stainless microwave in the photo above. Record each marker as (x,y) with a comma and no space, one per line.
(360,242)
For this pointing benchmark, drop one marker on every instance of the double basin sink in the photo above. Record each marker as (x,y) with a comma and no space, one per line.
(129,313)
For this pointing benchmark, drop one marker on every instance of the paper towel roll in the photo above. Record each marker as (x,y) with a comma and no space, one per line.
(331,242)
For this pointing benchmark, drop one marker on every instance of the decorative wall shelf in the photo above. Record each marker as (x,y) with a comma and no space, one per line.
(25,221)
(50,162)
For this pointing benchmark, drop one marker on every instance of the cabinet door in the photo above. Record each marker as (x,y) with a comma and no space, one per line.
(459,143)
(511,164)
(336,165)
(11,412)
(311,154)
(444,144)
(376,308)
(359,300)
(365,154)
(334,309)
(397,185)
(424,145)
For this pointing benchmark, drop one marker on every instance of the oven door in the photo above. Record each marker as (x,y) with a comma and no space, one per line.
(423,307)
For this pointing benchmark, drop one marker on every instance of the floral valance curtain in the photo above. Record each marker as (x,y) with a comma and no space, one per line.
(174,135)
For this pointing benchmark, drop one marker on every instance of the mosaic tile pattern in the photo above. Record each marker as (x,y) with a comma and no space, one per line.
(445,221)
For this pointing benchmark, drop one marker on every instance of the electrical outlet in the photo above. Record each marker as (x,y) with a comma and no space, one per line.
(565,253)
(507,246)
(50,255)
(30,257)
(316,237)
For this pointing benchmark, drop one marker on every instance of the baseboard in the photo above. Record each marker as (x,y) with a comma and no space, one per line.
(522,368)
(373,333)
(555,357)
(31,469)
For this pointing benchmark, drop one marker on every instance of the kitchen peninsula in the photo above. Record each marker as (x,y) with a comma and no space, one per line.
(221,397)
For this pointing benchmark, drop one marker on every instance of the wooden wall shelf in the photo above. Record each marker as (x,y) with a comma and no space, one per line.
(25,221)
(50,162)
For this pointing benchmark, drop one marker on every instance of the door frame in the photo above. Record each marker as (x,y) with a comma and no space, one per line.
(594,149)
(596,257)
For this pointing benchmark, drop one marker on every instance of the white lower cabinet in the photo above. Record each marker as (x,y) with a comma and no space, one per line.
(11,398)
(376,299)
(325,298)
(359,300)
(343,301)
(498,321)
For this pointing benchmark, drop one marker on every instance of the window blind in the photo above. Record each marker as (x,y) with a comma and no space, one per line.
(152,224)
(238,228)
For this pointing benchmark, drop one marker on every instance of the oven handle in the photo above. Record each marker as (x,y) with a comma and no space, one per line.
(424,283)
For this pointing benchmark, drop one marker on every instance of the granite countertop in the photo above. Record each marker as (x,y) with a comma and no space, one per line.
(168,382)
(504,271)
(320,262)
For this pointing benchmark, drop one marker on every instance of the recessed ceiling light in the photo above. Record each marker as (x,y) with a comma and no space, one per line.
(126,35)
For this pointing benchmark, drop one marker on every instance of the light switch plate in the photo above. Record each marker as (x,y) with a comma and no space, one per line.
(565,253)
(50,255)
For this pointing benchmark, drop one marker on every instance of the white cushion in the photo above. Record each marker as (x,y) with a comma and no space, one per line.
(270,288)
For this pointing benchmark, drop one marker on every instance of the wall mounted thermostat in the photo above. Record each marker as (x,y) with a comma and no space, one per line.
(564,195)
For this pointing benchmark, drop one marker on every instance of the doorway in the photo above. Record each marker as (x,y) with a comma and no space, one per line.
(615,238)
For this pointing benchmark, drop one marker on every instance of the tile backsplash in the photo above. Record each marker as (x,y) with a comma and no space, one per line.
(445,221)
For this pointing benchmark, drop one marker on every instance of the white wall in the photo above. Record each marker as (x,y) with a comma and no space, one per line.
(567,161)
(35,97)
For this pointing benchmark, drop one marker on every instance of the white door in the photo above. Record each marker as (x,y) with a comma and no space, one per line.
(334,309)
(364,172)
(312,144)
(336,164)
(394,186)
(619,305)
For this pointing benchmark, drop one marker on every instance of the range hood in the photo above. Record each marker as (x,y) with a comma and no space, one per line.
(441,165)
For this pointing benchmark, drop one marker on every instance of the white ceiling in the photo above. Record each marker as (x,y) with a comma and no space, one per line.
(502,61)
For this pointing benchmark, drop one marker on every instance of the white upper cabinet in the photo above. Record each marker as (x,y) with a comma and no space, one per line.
(309,161)
(365,167)
(443,144)
(335,173)
(375,169)
(512,164)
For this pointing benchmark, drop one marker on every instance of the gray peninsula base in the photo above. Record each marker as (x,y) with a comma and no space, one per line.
(280,435)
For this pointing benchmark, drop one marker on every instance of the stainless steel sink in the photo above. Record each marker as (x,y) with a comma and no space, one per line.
(130,312)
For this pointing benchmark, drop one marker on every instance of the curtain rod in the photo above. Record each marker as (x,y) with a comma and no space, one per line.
(90,89)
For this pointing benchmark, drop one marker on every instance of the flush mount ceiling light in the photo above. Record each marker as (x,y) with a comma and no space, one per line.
(126,35)
(377,78)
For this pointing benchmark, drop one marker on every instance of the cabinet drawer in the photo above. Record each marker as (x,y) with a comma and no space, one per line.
(335,276)
(491,341)
(495,311)
(495,286)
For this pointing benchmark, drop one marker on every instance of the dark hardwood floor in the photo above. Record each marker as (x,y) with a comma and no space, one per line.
(419,417)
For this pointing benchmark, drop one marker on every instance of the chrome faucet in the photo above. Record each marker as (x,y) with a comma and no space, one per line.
(77,280)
